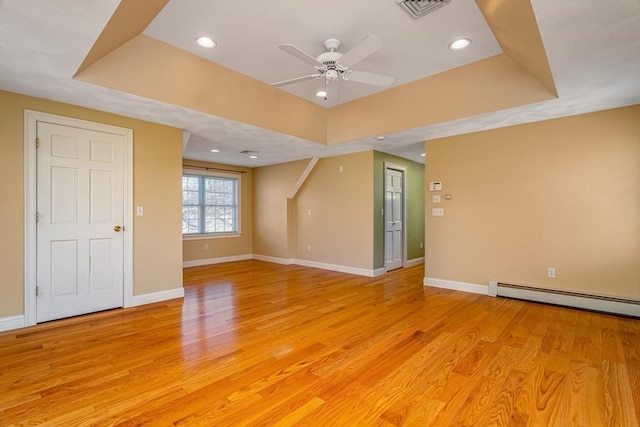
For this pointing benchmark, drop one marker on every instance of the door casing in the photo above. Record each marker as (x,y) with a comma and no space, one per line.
(31,118)
(403,169)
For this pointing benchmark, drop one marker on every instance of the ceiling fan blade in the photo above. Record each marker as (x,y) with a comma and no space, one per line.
(296,80)
(300,54)
(366,47)
(368,78)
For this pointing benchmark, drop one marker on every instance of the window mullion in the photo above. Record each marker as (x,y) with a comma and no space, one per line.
(202,208)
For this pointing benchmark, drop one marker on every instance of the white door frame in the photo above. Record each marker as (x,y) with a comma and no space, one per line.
(403,169)
(31,118)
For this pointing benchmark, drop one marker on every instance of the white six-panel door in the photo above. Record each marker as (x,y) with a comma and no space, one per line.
(80,204)
(394,215)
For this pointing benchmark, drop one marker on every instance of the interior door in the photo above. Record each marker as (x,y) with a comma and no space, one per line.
(80,205)
(394,215)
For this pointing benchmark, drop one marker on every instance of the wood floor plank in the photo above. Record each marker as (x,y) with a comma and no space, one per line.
(619,408)
(260,344)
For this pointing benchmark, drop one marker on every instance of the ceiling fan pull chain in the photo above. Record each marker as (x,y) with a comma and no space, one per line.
(326,89)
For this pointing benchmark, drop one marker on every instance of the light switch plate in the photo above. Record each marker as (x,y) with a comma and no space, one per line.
(437,212)
(139,210)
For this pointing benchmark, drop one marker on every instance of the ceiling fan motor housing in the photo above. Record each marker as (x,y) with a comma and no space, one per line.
(329,59)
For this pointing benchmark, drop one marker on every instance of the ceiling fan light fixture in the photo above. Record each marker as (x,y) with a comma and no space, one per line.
(460,44)
(321,93)
(251,154)
(205,42)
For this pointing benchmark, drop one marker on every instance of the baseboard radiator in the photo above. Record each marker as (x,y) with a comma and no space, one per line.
(625,307)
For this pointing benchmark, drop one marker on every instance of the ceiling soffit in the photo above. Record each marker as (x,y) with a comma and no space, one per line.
(128,20)
(146,67)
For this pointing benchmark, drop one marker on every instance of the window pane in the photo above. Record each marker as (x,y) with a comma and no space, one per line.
(220,219)
(190,190)
(190,219)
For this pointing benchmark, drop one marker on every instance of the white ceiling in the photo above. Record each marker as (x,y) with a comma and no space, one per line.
(249,32)
(593,52)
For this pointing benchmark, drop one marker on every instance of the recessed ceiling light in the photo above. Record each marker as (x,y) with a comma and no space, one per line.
(321,94)
(206,42)
(460,44)
(213,150)
(253,156)
(381,138)
(422,155)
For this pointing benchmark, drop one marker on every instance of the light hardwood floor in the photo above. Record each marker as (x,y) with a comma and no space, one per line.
(261,344)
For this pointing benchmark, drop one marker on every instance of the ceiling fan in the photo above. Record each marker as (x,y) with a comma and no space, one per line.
(333,65)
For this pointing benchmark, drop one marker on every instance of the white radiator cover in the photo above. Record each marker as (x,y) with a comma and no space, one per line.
(626,307)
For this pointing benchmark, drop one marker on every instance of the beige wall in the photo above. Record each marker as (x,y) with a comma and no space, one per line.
(157,257)
(193,250)
(340,227)
(561,193)
(273,222)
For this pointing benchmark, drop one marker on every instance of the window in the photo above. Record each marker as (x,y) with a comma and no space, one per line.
(209,204)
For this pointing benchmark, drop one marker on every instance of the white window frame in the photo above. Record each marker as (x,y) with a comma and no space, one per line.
(218,235)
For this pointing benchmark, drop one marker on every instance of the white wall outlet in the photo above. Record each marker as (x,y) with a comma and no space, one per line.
(435,198)
(551,273)
(206,246)
(341,169)
(437,212)
(421,245)
(309,212)
(309,248)
(139,210)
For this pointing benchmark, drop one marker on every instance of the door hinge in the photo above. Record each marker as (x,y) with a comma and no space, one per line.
(37,216)
(37,142)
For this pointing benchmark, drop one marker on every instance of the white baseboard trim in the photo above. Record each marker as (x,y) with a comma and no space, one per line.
(11,322)
(16,322)
(207,261)
(137,300)
(414,262)
(273,259)
(339,268)
(379,272)
(456,286)
(290,261)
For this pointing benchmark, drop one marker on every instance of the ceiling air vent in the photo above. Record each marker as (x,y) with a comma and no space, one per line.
(418,8)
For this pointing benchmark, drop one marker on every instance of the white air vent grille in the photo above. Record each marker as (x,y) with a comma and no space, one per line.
(418,8)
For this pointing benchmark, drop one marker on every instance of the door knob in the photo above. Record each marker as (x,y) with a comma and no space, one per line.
(117,228)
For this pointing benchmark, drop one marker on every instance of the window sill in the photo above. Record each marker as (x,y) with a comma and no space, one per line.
(210,236)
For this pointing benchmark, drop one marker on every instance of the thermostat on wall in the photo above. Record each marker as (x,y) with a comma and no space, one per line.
(435,186)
